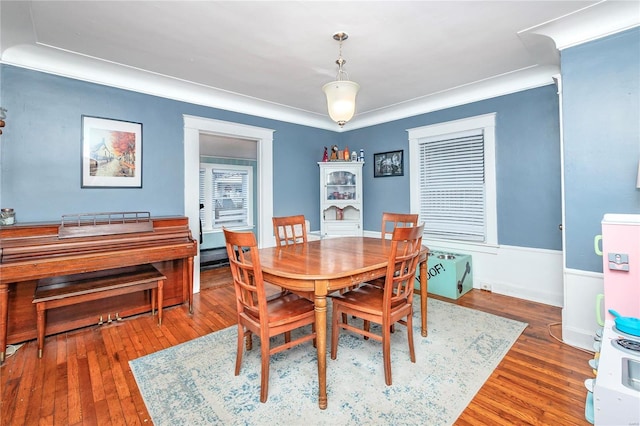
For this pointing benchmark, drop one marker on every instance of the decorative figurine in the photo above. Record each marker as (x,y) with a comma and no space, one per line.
(334,152)
(325,157)
(347,154)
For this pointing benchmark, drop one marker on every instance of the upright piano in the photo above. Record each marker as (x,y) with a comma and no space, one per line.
(29,252)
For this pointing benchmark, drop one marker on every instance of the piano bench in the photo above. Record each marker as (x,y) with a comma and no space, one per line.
(68,290)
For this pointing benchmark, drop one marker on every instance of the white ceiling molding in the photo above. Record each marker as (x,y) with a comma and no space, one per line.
(591,23)
(57,62)
(66,64)
(42,37)
(497,86)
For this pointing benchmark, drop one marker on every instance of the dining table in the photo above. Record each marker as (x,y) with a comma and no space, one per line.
(320,267)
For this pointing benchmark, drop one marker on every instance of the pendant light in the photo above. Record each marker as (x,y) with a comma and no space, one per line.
(341,94)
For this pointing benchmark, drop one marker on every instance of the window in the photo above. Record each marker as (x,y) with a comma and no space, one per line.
(453,179)
(227,195)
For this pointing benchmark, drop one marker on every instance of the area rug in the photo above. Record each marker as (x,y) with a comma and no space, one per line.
(193,383)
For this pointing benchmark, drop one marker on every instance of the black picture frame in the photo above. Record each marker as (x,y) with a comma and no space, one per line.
(387,164)
(111,153)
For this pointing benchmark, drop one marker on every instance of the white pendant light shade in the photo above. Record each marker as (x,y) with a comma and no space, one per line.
(341,100)
(341,93)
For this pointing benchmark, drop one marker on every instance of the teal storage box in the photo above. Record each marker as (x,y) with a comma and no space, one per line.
(450,274)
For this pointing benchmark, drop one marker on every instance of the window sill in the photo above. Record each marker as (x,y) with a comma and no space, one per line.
(460,246)
(233,228)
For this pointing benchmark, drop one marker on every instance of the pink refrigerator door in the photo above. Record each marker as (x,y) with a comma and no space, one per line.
(621,264)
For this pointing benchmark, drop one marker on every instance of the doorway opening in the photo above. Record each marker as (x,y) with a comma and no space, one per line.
(194,128)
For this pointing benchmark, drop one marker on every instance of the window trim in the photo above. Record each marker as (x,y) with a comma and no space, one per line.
(485,122)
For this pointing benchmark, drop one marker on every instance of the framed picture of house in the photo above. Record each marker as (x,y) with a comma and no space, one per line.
(388,164)
(111,153)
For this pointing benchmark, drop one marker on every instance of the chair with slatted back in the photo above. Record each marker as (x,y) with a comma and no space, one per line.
(259,315)
(391,221)
(384,306)
(290,230)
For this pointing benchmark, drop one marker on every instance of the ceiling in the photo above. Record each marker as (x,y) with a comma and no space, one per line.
(271,58)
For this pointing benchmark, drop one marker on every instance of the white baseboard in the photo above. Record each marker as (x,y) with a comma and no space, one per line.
(522,272)
(536,275)
(579,321)
(525,273)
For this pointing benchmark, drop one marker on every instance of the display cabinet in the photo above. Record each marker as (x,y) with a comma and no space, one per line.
(340,198)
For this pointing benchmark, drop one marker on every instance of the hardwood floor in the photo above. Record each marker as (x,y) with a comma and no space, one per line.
(84,376)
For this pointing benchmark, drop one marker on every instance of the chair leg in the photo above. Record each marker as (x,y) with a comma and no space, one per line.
(264,359)
(386,353)
(412,352)
(239,349)
(335,329)
(315,341)
(249,340)
(287,336)
(366,326)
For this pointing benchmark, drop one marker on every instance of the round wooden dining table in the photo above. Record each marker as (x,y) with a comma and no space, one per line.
(320,267)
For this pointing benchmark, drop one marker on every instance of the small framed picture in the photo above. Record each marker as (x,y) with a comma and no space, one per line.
(111,153)
(388,164)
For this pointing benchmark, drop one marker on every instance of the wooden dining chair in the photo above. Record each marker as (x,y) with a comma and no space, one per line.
(259,315)
(391,221)
(385,306)
(290,230)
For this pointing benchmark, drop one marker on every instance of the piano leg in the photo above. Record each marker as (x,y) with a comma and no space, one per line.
(190,282)
(4,312)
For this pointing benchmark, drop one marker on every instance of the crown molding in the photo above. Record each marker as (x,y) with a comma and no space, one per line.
(66,64)
(599,20)
(72,65)
(593,22)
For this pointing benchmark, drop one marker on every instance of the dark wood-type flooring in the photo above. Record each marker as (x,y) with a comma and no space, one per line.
(84,375)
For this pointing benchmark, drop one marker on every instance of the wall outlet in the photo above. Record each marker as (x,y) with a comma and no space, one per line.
(485,286)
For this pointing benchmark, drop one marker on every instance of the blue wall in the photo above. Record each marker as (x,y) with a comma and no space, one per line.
(601,120)
(40,150)
(527,165)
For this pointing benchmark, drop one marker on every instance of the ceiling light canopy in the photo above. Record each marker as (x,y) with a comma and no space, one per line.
(341,94)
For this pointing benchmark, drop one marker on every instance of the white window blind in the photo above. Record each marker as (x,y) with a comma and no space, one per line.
(452,185)
(226,192)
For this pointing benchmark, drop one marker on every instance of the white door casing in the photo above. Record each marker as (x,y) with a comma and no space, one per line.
(193,127)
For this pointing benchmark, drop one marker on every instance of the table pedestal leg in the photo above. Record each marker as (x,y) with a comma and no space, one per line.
(423,296)
(321,343)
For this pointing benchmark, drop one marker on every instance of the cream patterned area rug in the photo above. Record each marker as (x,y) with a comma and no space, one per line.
(193,383)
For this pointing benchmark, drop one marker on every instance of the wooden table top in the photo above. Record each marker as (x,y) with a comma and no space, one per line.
(329,259)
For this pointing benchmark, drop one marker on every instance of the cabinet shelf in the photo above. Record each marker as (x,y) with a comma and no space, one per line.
(342,204)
